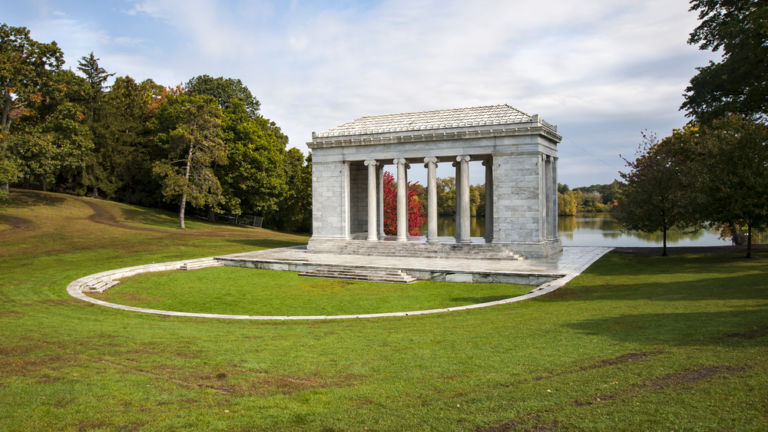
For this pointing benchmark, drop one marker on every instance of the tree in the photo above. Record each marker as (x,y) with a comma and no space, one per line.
(568,202)
(446,196)
(125,145)
(98,173)
(189,128)
(226,91)
(653,196)
(61,143)
(415,216)
(733,152)
(25,67)
(739,82)
(294,210)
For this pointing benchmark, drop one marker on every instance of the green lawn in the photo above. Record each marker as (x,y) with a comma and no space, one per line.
(636,343)
(241,291)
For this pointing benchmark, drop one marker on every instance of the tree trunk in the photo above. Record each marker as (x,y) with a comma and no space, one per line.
(95,192)
(749,241)
(664,235)
(211,215)
(181,209)
(184,192)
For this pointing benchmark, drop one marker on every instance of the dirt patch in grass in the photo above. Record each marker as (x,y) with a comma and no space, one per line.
(541,421)
(102,216)
(16,223)
(749,334)
(287,384)
(622,359)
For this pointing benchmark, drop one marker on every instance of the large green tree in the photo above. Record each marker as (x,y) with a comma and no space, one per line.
(189,130)
(59,144)
(125,143)
(26,67)
(254,178)
(226,91)
(653,197)
(733,154)
(738,83)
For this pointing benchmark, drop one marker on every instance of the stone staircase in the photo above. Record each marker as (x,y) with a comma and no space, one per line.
(418,250)
(99,285)
(372,274)
(200,263)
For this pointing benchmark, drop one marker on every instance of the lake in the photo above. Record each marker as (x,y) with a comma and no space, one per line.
(598,230)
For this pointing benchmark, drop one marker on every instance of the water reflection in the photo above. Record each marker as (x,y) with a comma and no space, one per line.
(446,227)
(596,230)
(603,230)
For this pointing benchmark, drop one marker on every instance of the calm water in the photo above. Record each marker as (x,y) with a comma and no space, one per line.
(597,230)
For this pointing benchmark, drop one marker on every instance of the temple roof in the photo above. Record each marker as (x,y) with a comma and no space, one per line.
(490,115)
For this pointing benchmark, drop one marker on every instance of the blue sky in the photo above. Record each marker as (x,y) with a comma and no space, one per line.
(601,70)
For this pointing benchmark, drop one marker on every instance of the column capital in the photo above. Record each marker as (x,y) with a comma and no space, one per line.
(462,158)
(430,159)
(399,161)
(370,162)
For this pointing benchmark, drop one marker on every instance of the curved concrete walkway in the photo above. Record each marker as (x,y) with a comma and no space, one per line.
(96,282)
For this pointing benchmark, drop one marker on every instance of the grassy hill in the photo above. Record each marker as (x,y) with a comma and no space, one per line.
(638,342)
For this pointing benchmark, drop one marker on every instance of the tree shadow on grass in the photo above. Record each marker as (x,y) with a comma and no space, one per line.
(727,287)
(725,261)
(728,328)
(266,243)
(20,198)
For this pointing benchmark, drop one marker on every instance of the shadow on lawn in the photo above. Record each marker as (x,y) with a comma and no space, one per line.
(21,198)
(266,243)
(737,328)
(723,260)
(727,287)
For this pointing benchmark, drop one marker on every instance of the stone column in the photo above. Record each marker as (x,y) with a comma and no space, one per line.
(463,192)
(380,195)
(488,163)
(555,212)
(402,201)
(372,201)
(550,195)
(457,201)
(431,164)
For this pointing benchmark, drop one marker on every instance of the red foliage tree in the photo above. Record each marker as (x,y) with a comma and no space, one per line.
(415,216)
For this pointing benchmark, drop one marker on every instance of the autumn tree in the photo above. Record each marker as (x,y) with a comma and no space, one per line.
(653,196)
(738,83)
(26,68)
(415,216)
(189,129)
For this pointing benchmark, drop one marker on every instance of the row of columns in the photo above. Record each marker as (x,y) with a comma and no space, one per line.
(375,200)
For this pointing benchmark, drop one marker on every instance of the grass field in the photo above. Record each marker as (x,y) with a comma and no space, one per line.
(638,342)
(242,291)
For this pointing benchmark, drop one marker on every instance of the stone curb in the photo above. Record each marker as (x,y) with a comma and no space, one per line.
(75,289)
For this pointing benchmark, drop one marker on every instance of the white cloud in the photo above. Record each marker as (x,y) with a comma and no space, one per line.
(610,64)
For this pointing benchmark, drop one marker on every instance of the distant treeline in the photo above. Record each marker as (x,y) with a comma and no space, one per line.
(202,143)
(588,199)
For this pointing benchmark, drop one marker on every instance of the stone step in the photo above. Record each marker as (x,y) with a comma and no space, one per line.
(195,265)
(360,273)
(99,286)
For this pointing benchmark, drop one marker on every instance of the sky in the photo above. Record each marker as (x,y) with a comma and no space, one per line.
(603,71)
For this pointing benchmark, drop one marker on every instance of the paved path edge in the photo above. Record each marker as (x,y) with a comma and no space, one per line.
(75,289)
